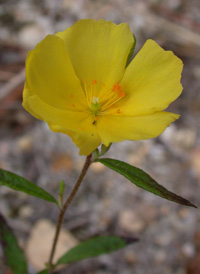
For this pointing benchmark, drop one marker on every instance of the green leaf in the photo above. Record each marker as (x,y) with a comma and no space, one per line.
(44,271)
(92,248)
(143,180)
(61,193)
(13,253)
(104,149)
(131,51)
(95,154)
(18,183)
(61,188)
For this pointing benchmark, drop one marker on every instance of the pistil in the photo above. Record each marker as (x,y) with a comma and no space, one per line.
(95,106)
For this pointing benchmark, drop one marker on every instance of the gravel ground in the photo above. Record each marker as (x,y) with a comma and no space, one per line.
(168,233)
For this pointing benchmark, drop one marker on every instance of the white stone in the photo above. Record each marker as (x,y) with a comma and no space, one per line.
(40,242)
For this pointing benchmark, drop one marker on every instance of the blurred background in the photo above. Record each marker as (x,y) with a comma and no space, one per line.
(169,234)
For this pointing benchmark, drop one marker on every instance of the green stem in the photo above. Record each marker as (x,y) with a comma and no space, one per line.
(88,161)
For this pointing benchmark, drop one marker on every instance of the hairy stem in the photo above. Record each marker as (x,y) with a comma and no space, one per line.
(64,208)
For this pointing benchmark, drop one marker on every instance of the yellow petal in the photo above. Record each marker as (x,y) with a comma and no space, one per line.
(98,49)
(50,75)
(116,129)
(85,141)
(26,94)
(66,119)
(77,124)
(151,81)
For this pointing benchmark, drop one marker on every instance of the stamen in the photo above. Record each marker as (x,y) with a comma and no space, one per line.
(93,87)
(114,97)
(86,91)
(99,103)
(121,94)
(112,103)
(94,82)
(76,103)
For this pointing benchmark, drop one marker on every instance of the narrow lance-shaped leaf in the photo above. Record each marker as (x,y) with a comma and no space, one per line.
(92,248)
(13,254)
(61,193)
(143,180)
(44,271)
(18,183)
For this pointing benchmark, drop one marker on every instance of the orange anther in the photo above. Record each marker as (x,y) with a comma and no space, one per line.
(121,94)
(73,105)
(71,96)
(119,88)
(118,111)
(96,118)
(114,87)
(94,82)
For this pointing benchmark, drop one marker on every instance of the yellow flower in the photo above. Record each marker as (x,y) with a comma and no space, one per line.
(77,81)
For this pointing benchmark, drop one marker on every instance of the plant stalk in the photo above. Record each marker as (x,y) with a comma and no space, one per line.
(88,161)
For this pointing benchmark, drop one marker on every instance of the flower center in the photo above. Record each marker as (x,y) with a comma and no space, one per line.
(95,106)
(101,99)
